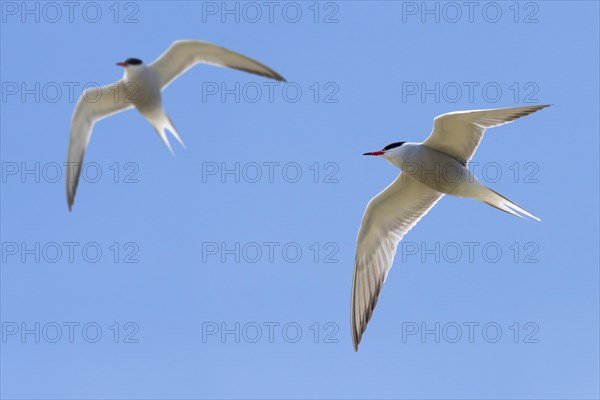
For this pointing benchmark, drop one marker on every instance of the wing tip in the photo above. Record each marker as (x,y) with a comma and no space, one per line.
(356,336)
(272,74)
(354,325)
(269,73)
(541,107)
(532,218)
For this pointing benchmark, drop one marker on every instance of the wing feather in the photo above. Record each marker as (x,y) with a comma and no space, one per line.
(94,105)
(458,133)
(388,217)
(184,54)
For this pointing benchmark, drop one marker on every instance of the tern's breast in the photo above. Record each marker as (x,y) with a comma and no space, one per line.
(437,170)
(143,89)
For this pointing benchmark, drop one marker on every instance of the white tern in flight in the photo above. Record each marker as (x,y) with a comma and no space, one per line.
(141,88)
(429,170)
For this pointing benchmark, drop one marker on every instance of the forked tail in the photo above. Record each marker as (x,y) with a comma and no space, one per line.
(162,124)
(500,202)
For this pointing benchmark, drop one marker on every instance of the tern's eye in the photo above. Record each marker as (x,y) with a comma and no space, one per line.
(393,145)
(133,61)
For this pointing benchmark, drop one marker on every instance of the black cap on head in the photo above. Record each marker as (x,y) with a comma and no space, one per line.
(392,145)
(133,61)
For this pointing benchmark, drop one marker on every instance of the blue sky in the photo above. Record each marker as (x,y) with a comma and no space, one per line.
(225,271)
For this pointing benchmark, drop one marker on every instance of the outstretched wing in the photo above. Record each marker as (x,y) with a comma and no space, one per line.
(388,217)
(184,54)
(94,105)
(458,133)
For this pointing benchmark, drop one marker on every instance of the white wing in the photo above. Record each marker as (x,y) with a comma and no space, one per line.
(94,105)
(458,133)
(388,217)
(184,54)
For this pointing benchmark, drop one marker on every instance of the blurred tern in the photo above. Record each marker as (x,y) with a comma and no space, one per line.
(141,88)
(429,170)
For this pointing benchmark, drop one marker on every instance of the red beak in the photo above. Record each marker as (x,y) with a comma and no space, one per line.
(122,64)
(374,153)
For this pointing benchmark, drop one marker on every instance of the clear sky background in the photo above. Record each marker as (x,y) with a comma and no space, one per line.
(514,304)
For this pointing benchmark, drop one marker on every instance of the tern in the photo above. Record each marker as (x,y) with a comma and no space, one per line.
(429,170)
(141,87)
